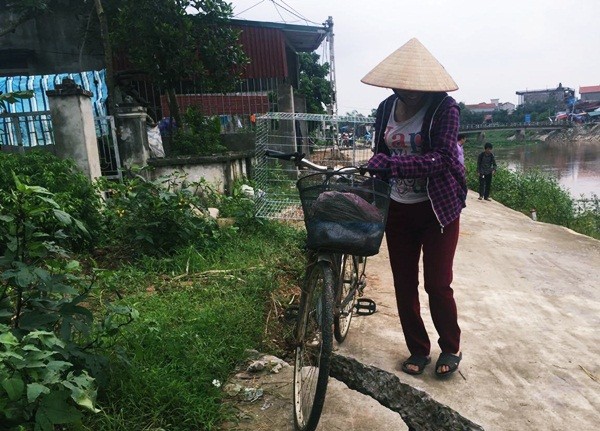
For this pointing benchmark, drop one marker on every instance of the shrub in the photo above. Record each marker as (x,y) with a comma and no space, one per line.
(71,190)
(47,332)
(156,217)
(200,136)
(525,191)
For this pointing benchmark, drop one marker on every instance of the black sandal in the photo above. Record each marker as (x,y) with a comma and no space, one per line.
(419,361)
(449,360)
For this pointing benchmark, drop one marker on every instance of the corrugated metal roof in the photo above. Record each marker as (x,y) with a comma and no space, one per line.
(589,89)
(301,38)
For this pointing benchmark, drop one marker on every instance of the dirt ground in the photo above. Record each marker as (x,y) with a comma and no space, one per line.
(529,307)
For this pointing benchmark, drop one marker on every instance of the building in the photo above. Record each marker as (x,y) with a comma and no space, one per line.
(53,44)
(488,108)
(590,93)
(559,94)
(50,43)
(272,49)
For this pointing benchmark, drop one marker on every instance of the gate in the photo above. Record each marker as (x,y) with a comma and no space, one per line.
(108,149)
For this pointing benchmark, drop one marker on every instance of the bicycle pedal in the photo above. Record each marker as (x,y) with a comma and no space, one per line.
(291,313)
(365,306)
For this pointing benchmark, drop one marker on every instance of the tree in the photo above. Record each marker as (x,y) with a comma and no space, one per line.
(170,44)
(22,11)
(313,85)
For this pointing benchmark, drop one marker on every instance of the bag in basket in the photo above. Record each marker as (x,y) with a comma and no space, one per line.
(344,222)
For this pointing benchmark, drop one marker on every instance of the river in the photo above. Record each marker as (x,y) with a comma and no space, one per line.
(575,164)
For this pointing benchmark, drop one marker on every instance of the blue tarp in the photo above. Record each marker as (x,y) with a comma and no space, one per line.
(93,81)
(35,130)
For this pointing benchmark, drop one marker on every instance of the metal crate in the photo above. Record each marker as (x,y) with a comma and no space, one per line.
(320,137)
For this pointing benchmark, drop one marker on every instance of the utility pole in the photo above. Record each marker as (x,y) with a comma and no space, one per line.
(333,107)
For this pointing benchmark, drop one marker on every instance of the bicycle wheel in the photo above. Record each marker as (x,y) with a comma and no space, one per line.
(314,338)
(347,288)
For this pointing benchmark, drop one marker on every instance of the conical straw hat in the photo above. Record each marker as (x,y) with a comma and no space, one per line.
(411,67)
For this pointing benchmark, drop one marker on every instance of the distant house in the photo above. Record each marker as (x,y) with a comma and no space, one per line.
(590,93)
(559,94)
(273,70)
(488,108)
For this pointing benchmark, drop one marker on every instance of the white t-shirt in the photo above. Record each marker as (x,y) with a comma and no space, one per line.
(404,138)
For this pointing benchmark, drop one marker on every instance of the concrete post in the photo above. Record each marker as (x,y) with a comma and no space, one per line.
(74,128)
(132,135)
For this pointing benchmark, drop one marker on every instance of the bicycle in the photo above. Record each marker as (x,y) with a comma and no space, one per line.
(345,213)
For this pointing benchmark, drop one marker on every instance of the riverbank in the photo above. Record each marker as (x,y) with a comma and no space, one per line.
(579,133)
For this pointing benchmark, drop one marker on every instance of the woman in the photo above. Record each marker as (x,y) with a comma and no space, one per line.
(416,131)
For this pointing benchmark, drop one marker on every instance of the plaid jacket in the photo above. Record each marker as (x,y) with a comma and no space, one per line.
(438,163)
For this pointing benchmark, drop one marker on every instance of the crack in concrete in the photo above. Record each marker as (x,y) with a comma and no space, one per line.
(418,410)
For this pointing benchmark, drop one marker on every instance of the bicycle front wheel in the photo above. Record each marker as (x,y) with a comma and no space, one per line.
(314,343)
(345,296)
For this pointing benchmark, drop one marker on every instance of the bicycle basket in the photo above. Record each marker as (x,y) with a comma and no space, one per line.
(344,213)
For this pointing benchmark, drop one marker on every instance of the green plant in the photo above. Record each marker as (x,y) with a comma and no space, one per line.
(39,295)
(49,340)
(526,191)
(71,190)
(200,135)
(239,203)
(200,310)
(38,385)
(14,97)
(156,217)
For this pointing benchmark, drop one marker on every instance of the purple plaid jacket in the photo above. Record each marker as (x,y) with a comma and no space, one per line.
(439,163)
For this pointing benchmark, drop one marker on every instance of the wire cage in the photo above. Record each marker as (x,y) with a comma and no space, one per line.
(329,140)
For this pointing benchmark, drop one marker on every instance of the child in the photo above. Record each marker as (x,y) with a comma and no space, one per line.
(486,168)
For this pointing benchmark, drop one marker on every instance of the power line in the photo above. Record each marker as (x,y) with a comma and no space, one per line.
(297,14)
(279,13)
(251,7)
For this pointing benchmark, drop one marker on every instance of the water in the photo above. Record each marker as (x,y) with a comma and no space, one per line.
(576,165)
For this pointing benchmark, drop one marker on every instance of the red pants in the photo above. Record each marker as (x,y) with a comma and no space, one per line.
(411,228)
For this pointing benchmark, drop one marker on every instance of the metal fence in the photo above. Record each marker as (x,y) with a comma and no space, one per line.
(26,130)
(328,140)
(108,149)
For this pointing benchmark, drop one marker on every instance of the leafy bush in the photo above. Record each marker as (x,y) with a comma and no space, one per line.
(238,204)
(200,136)
(71,189)
(40,386)
(47,330)
(525,191)
(156,217)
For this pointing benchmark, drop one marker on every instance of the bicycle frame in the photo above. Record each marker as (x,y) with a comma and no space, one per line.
(333,281)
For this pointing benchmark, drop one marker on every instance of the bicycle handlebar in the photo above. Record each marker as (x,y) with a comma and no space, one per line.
(300,161)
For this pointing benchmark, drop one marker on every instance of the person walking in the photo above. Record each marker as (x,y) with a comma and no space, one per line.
(462,140)
(486,169)
(416,131)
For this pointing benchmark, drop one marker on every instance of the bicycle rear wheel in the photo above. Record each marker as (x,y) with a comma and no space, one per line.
(345,296)
(314,338)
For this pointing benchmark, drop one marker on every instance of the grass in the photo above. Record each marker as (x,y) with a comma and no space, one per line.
(536,190)
(199,312)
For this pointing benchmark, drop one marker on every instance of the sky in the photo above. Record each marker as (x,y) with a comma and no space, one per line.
(491,49)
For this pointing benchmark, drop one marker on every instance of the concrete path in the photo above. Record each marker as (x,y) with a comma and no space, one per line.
(528,296)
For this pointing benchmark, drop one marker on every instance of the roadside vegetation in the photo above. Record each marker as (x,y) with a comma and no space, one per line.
(534,190)
(136,323)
